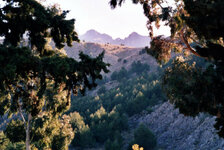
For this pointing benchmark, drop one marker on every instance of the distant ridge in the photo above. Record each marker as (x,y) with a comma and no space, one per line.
(133,40)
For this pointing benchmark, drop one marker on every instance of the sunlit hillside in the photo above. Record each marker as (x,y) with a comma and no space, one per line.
(111,75)
(117,56)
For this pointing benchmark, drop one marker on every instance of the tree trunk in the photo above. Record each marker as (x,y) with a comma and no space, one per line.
(28,132)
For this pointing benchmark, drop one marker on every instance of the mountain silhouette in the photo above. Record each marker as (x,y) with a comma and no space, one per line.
(133,40)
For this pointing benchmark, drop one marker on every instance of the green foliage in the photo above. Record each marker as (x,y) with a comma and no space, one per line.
(36,81)
(16,146)
(15,131)
(130,145)
(101,116)
(143,51)
(196,27)
(77,121)
(103,124)
(84,138)
(149,110)
(4,141)
(99,127)
(144,138)
(115,142)
(6,144)
(112,145)
(119,60)
(102,90)
(138,67)
(64,135)
(83,135)
(119,75)
(52,132)
(129,97)
(204,21)
(102,81)
(192,98)
(136,106)
(137,90)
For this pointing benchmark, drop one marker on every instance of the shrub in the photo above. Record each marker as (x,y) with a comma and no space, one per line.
(116,143)
(144,138)
(83,135)
(112,145)
(101,90)
(137,105)
(138,67)
(119,75)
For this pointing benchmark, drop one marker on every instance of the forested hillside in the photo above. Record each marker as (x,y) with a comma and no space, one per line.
(100,119)
(60,93)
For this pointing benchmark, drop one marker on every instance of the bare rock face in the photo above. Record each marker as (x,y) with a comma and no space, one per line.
(175,131)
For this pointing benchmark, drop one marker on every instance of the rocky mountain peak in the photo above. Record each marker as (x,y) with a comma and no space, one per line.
(133,40)
(134,34)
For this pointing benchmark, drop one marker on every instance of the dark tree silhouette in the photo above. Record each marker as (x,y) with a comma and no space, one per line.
(197,26)
(36,80)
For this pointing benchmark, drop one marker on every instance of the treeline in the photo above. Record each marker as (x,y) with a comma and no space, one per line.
(100,119)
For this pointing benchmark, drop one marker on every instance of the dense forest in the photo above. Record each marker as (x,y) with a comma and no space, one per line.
(101,118)
(47,99)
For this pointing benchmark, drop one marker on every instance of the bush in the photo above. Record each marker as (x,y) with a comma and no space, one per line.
(16,146)
(84,138)
(137,105)
(101,90)
(116,143)
(138,67)
(144,138)
(149,110)
(130,145)
(143,51)
(83,135)
(119,60)
(119,75)
(112,145)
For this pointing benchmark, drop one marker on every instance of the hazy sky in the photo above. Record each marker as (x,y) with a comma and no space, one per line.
(97,14)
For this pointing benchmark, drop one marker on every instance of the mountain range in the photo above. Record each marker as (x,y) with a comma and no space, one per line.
(133,40)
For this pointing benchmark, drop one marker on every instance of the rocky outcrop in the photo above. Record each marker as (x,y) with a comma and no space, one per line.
(175,131)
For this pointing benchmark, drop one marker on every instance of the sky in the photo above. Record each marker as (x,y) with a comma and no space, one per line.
(98,15)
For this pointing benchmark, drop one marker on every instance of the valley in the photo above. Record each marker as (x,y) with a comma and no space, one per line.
(145,75)
(171,128)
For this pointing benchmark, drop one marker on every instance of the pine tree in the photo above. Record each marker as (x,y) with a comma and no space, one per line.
(36,80)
